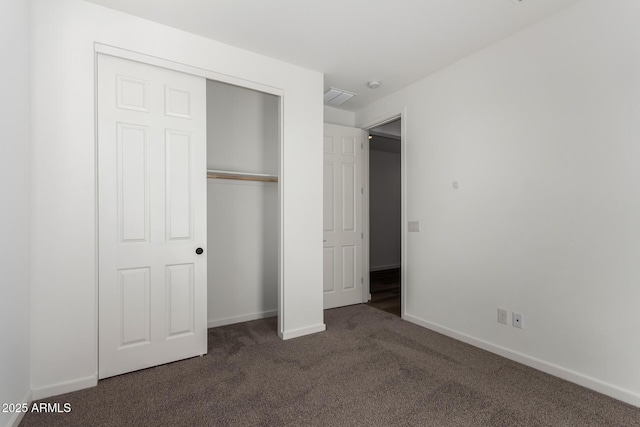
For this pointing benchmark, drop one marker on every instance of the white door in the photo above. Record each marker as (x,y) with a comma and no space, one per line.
(152,216)
(343,238)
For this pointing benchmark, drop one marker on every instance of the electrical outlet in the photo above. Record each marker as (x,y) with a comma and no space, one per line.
(516,320)
(502,316)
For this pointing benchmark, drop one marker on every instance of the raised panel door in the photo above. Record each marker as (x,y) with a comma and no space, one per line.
(343,280)
(152,215)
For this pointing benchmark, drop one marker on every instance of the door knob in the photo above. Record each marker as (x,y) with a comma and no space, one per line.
(199,251)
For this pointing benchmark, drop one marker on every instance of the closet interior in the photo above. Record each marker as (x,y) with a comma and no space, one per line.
(243,135)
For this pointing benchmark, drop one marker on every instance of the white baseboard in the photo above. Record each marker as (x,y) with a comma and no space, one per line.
(610,390)
(384,267)
(214,323)
(15,419)
(295,333)
(65,387)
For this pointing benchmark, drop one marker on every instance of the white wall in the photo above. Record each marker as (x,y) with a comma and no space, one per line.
(64,299)
(15,180)
(242,217)
(384,209)
(337,116)
(243,129)
(542,132)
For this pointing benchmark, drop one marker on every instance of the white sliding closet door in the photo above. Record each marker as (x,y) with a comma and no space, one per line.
(152,216)
(343,279)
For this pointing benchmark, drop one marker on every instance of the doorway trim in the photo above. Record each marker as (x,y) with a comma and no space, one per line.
(400,113)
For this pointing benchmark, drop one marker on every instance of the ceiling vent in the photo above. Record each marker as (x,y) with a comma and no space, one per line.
(337,96)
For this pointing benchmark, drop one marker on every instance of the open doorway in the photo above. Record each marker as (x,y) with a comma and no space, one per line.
(385,217)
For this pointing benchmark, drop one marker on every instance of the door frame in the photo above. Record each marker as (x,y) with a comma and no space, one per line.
(400,113)
(100,48)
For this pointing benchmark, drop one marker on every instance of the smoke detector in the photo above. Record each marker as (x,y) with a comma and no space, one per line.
(373,84)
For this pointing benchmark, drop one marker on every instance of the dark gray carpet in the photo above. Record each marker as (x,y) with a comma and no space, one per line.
(369,369)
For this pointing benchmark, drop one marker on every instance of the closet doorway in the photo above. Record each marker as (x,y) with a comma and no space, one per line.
(189,207)
(385,217)
(243,139)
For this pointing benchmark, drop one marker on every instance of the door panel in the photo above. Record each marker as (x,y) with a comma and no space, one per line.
(329,269)
(180,294)
(329,196)
(343,280)
(152,215)
(349,199)
(135,314)
(178,195)
(133,146)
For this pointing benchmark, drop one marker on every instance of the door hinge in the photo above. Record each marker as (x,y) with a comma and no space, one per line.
(362,235)
(361,190)
(362,280)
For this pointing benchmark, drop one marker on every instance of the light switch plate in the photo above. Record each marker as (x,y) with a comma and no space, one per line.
(502,316)
(414,226)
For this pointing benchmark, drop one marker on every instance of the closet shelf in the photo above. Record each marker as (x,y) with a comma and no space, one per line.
(242,176)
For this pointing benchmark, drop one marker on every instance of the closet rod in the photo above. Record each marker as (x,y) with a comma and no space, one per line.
(242,176)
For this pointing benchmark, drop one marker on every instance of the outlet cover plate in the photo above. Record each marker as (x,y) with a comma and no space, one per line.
(516,320)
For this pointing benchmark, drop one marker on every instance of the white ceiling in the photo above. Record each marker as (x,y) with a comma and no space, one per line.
(351,41)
